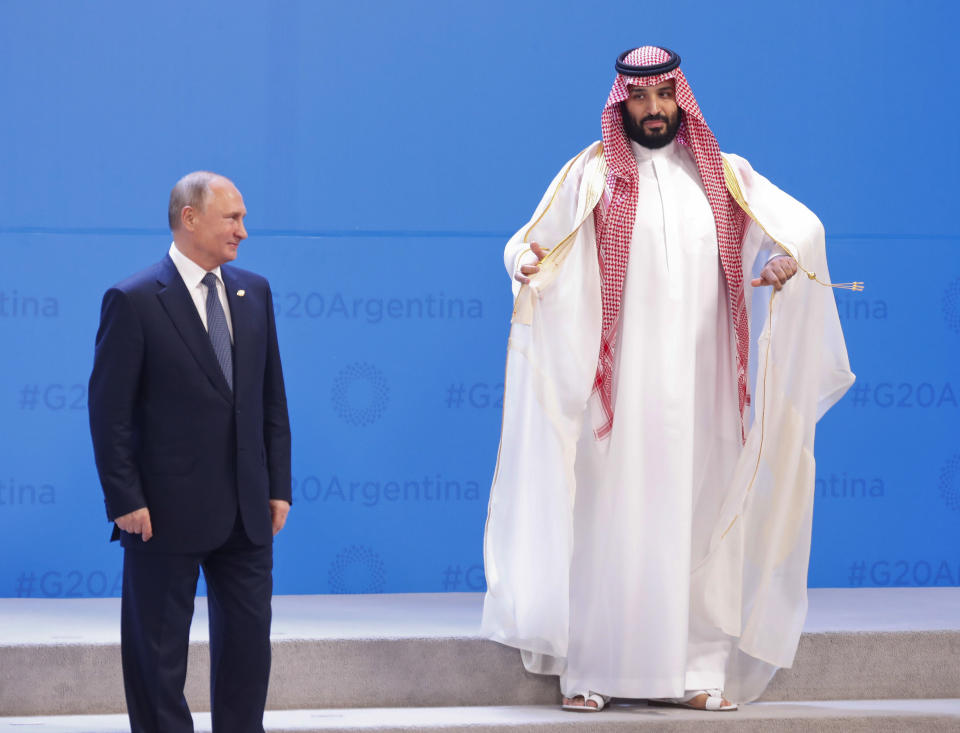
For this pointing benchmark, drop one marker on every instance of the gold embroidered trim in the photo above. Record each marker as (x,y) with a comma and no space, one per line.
(733,186)
(553,198)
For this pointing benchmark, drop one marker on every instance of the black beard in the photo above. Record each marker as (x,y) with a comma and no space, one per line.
(638,134)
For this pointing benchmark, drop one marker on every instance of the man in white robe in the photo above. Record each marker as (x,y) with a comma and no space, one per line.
(606,560)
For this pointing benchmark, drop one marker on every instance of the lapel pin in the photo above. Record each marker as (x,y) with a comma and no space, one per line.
(241,293)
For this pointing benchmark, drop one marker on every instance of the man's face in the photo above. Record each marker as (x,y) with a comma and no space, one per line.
(651,116)
(217,230)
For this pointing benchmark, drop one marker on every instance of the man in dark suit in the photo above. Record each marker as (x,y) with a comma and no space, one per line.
(189,422)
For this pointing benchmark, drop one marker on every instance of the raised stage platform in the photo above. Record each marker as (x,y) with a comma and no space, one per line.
(869,660)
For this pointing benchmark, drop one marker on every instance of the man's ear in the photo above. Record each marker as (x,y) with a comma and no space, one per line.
(188,218)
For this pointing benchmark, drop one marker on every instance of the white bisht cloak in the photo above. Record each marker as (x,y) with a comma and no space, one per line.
(753,581)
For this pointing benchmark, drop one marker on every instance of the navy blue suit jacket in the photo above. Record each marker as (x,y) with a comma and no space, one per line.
(168,434)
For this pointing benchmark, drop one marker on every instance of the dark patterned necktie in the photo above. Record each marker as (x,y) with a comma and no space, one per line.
(217,328)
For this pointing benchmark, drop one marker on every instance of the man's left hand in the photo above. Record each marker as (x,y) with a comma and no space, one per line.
(776,272)
(278,513)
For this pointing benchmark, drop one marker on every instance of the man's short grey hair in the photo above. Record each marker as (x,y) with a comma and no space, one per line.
(191,190)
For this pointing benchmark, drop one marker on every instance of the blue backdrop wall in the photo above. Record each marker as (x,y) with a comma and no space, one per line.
(386,150)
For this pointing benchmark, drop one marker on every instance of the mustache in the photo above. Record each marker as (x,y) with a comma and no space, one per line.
(658,118)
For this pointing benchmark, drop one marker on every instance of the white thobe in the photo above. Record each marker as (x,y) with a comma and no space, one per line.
(650,495)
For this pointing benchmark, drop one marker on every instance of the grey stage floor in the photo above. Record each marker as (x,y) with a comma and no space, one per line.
(442,615)
(838,716)
(871,660)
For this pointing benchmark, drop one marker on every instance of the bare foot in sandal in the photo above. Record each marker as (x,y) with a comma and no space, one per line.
(700,701)
(591,702)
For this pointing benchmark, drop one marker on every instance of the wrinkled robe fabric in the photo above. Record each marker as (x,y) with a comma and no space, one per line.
(648,494)
(746,579)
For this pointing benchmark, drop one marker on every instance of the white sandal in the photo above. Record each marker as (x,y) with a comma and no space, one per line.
(714,702)
(600,700)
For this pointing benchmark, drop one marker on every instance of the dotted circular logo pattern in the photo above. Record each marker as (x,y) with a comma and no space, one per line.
(951,306)
(950,482)
(357,569)
(360,394)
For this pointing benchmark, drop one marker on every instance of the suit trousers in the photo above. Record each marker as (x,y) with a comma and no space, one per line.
(157,609)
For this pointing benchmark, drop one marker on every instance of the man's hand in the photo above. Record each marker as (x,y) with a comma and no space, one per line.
(278,513)
(530,269)
(776,272)
(136,522)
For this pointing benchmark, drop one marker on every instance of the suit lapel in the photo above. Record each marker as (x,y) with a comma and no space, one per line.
(178,304)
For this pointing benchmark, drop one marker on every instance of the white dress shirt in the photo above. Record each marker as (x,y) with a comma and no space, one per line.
(192,275)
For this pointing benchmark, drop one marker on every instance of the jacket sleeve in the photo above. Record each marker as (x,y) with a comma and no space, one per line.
(276,422)
(114,383)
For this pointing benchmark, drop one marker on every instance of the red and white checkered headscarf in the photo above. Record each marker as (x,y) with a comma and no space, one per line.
(615,215)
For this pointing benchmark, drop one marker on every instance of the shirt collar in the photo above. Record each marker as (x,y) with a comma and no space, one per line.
(642,153)
(189,270)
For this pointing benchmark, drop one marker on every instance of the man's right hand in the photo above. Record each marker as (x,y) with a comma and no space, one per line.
(530,268)
(136,522)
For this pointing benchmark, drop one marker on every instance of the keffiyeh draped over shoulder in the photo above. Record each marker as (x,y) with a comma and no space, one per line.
(616,214)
